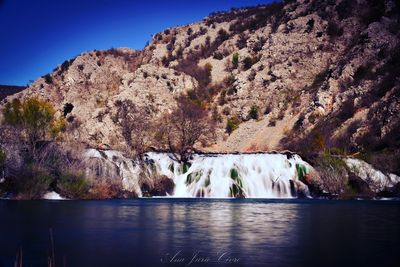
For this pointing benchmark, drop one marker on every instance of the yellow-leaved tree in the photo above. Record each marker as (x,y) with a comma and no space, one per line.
(36,123)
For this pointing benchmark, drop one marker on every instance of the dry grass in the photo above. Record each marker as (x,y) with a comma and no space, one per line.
(51,258)
(256,148)
(103,188)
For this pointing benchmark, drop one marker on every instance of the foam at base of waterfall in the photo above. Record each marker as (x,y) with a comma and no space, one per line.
(53,196)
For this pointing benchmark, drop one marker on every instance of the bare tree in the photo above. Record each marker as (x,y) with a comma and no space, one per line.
(186,126)
(136,127)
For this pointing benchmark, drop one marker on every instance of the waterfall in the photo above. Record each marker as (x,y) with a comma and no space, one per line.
(250,175)
(229,175)
(113,164)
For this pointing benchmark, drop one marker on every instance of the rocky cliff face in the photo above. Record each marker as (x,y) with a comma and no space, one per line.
(324,72)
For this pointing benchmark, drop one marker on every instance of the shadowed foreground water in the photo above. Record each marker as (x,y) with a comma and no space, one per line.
(202,232)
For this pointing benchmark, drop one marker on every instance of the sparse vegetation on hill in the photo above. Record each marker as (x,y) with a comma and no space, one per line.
(312,76)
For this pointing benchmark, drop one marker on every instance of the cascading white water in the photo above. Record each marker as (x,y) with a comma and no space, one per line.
(227,175)
(113,164)
(258,175)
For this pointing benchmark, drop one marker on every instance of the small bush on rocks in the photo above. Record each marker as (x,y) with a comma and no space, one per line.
(235,60)
(32,182)
(102,188)
(73,185)
(232,124)
(254,112)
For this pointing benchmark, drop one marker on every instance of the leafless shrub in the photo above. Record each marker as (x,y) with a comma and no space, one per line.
(252,75)
(333,173)
(242,41)
(186,126)
(135,125)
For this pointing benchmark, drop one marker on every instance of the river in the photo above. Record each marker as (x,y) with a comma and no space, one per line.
(201,232)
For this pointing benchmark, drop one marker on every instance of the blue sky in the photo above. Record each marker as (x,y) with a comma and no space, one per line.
(37,35)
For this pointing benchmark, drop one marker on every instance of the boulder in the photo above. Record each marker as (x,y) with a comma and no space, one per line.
(163,186)
(359,187)
(393,191)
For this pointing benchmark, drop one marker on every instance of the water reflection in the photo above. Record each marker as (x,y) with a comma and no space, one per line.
(152,232)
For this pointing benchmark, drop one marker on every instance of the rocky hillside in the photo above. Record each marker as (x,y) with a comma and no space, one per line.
(6,90)
(299,74)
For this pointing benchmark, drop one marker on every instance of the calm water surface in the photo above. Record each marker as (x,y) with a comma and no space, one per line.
(202,232)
